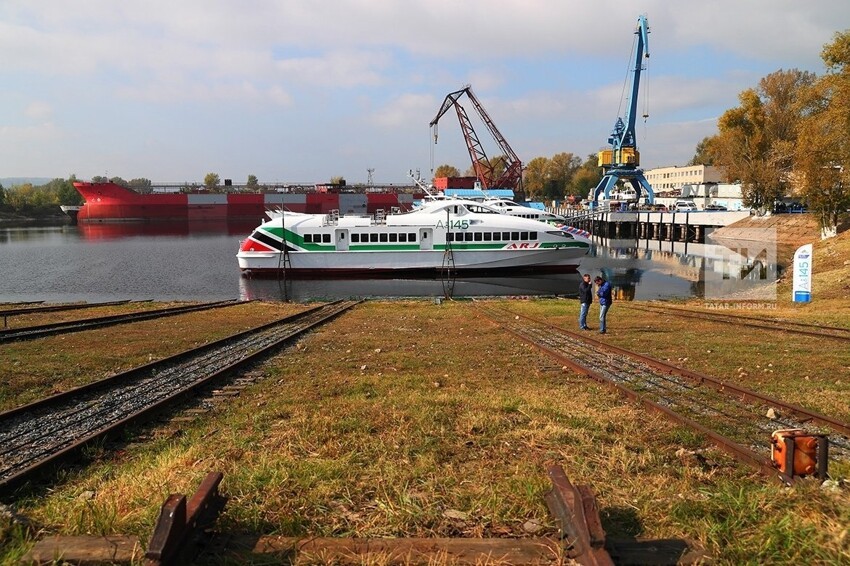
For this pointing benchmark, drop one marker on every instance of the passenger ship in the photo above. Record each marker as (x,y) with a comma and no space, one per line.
(457,236)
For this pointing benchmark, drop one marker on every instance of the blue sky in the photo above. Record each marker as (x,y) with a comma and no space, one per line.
(302,91)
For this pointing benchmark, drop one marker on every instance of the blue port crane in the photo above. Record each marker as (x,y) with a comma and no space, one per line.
(622,161)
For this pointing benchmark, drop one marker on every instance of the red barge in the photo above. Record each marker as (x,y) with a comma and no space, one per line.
(108,202)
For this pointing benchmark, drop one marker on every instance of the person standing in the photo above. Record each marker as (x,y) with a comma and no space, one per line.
(585,298)
(603,291)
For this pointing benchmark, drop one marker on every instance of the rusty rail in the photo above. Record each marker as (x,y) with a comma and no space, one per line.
(806,329)
(182,523)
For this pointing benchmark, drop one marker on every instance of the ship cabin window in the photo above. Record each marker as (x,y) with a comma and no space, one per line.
(523,235)
(488,236)
(326,238)
(308,238)
(411,237)
(355,238)
(478,236)
(402,237)
(383,237)
(532,235)
(468,236)
(393,237)
(506,236)
(514,235)
(373,237)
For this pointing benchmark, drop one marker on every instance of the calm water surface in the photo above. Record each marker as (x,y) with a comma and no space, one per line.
(167,262)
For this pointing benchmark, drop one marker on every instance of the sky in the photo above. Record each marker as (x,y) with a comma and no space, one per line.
(302,91)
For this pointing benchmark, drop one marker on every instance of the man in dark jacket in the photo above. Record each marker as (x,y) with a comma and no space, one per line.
(585,297)
(603,291)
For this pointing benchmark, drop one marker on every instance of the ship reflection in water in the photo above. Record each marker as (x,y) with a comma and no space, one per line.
(302,290)
(116,230)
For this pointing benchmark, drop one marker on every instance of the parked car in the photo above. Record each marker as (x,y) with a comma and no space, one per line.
(719,207)
(685,206)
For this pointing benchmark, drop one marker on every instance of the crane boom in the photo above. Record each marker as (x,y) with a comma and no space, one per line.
(485,171)
(623,159)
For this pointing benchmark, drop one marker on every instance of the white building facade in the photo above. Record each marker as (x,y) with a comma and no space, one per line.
(672,179)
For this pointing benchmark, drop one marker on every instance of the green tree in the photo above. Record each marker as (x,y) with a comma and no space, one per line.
(756,140)
(119,181)
(65,191)
(823,149)
(446,171)
(99,179)
(339,180)
(212,181)
(560,171)
(140,184)
(586,178)
(252,183)
(2,195)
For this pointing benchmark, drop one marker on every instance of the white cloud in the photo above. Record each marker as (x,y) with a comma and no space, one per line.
(388,65)
(399,110)
(38,110)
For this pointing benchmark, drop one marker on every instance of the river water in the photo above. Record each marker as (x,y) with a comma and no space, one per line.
(110,262)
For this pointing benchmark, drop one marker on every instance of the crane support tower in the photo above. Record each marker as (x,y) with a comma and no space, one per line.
(511,177)
(623,159)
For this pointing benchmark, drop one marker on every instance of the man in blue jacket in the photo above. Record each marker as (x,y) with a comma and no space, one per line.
(603,291)
(585,298)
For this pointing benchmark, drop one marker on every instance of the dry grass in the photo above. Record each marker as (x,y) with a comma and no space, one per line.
(35,368)
(412,419)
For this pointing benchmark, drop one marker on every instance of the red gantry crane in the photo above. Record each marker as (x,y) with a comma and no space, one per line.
(485,171)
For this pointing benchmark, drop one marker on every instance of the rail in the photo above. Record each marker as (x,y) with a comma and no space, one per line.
(734,418)
(41,331)
(56,427)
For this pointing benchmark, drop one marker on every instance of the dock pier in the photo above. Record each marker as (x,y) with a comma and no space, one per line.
(667,226)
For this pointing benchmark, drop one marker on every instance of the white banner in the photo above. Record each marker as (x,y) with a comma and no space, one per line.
(802,292)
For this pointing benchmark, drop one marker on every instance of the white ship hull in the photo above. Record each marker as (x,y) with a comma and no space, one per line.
(457,237)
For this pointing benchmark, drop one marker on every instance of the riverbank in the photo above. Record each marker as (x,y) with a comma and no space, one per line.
(8,220)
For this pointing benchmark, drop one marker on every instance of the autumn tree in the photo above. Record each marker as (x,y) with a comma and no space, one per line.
(823,148)
(756,140)
(252,183)
(446,171)
(2,195)
(534,177)
(212,181)
(703,154)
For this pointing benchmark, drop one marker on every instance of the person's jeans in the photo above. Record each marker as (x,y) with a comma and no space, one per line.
(603,310)
(582,315)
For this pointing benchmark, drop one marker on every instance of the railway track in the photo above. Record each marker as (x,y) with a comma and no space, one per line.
(34,435)
(734,418)
(40,331)
(807,329)
(25,308)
